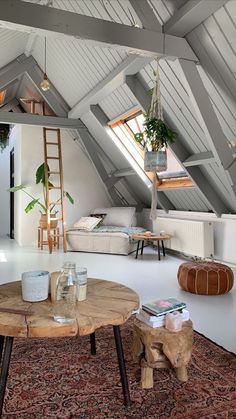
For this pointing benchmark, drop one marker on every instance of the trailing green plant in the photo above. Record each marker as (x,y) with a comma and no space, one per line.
(4,135)
(156,134)
(40,179)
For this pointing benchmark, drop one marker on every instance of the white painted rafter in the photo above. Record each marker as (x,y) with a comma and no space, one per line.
(190,15)
(35,18)
(208,120)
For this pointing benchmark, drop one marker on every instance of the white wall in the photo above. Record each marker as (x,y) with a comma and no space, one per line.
(80,180)
(224,230)
(14,141)
(5,197)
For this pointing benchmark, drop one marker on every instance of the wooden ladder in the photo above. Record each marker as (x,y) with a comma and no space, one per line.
(59,188)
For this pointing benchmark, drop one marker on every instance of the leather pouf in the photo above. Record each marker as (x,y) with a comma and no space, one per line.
(206,278)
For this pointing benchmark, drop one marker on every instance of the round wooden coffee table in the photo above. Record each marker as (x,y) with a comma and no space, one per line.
(140,238)
(107,303)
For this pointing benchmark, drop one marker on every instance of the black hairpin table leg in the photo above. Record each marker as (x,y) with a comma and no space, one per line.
(1,346)
(163,248)
(158,248)
(5,368)
(137,249)
(93,343)
(121,361)
(142,247)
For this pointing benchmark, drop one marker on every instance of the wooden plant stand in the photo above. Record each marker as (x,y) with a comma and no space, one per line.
(160,348)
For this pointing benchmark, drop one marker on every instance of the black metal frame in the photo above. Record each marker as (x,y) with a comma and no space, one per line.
(6,344)
(122,367)
(158,248)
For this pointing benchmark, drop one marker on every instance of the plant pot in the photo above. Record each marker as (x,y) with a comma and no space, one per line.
(155,160)
(43,221)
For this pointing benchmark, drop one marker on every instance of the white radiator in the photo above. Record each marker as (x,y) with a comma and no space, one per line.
(193,238)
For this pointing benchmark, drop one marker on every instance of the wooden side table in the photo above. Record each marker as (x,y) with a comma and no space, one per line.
(160,348)
(153,237)
(55,237)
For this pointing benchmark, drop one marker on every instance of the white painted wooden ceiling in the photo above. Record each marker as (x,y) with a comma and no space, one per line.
(75,69)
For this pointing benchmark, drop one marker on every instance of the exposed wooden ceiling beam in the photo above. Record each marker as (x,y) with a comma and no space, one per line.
(40,120)
(146,15)
(131,65)
(209,121)
(190,15)
(29,17)
(197,159)
(15,69)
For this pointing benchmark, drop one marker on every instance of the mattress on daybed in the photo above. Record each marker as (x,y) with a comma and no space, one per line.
(105,239)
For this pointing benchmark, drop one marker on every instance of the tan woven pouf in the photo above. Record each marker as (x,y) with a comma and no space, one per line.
(206,278)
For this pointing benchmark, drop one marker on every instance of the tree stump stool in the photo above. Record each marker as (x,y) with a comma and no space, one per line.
(160,348)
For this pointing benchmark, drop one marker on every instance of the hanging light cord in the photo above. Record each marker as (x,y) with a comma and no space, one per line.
(45,55)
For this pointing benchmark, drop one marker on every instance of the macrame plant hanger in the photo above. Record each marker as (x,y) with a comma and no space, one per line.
(156,110)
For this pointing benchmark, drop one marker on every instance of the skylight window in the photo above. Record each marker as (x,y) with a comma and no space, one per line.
(125,128)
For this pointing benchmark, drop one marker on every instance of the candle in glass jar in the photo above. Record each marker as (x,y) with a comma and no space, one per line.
(81,284)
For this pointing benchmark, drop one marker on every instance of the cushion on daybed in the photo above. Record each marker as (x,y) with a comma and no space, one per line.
(87,223)
(117,216)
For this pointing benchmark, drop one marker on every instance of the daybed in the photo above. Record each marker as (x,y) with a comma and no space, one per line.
(113,236)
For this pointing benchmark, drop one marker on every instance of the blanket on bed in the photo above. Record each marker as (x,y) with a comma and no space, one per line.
(114,229)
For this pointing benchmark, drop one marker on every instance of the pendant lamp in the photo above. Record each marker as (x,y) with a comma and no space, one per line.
(45,85)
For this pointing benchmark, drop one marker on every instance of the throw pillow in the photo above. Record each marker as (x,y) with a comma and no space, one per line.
(117,216)
(87,223)
(101,216)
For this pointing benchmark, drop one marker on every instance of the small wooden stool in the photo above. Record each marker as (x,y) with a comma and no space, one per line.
(160,348)
(55,237)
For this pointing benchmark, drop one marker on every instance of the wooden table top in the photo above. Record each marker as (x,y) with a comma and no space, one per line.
(107,303)
(151,237)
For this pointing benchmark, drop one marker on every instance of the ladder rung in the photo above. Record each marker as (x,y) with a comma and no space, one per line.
(54,187)
(53,173)
(52,158)
(51,143)
(55,203)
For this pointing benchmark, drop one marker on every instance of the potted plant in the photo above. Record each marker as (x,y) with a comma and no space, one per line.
(40,179)
(156,135)
(4,136)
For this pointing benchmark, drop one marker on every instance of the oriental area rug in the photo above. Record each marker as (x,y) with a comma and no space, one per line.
(58,378)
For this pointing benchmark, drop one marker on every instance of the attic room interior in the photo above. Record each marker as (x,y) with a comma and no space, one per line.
(118,217)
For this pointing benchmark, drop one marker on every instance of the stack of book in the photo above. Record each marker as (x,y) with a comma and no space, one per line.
(153,314)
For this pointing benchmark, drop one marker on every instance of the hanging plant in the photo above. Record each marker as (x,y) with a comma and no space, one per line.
(156,135)
(4,136)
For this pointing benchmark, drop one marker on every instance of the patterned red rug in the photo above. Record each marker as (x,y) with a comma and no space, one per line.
(58,378)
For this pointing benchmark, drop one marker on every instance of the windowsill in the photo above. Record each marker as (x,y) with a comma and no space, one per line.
(174,184)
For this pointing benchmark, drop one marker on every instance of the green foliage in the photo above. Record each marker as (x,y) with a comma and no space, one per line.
(4,135)
(40,179)
(156,134)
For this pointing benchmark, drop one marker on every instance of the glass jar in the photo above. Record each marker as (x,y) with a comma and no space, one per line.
(81,284)
(64,310)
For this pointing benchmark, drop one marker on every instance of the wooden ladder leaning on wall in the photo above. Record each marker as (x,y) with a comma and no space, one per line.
(58,173)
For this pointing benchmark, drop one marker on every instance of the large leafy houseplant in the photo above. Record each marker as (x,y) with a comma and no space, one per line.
(40,179)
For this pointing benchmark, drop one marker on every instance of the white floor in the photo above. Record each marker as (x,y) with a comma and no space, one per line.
(213,316)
